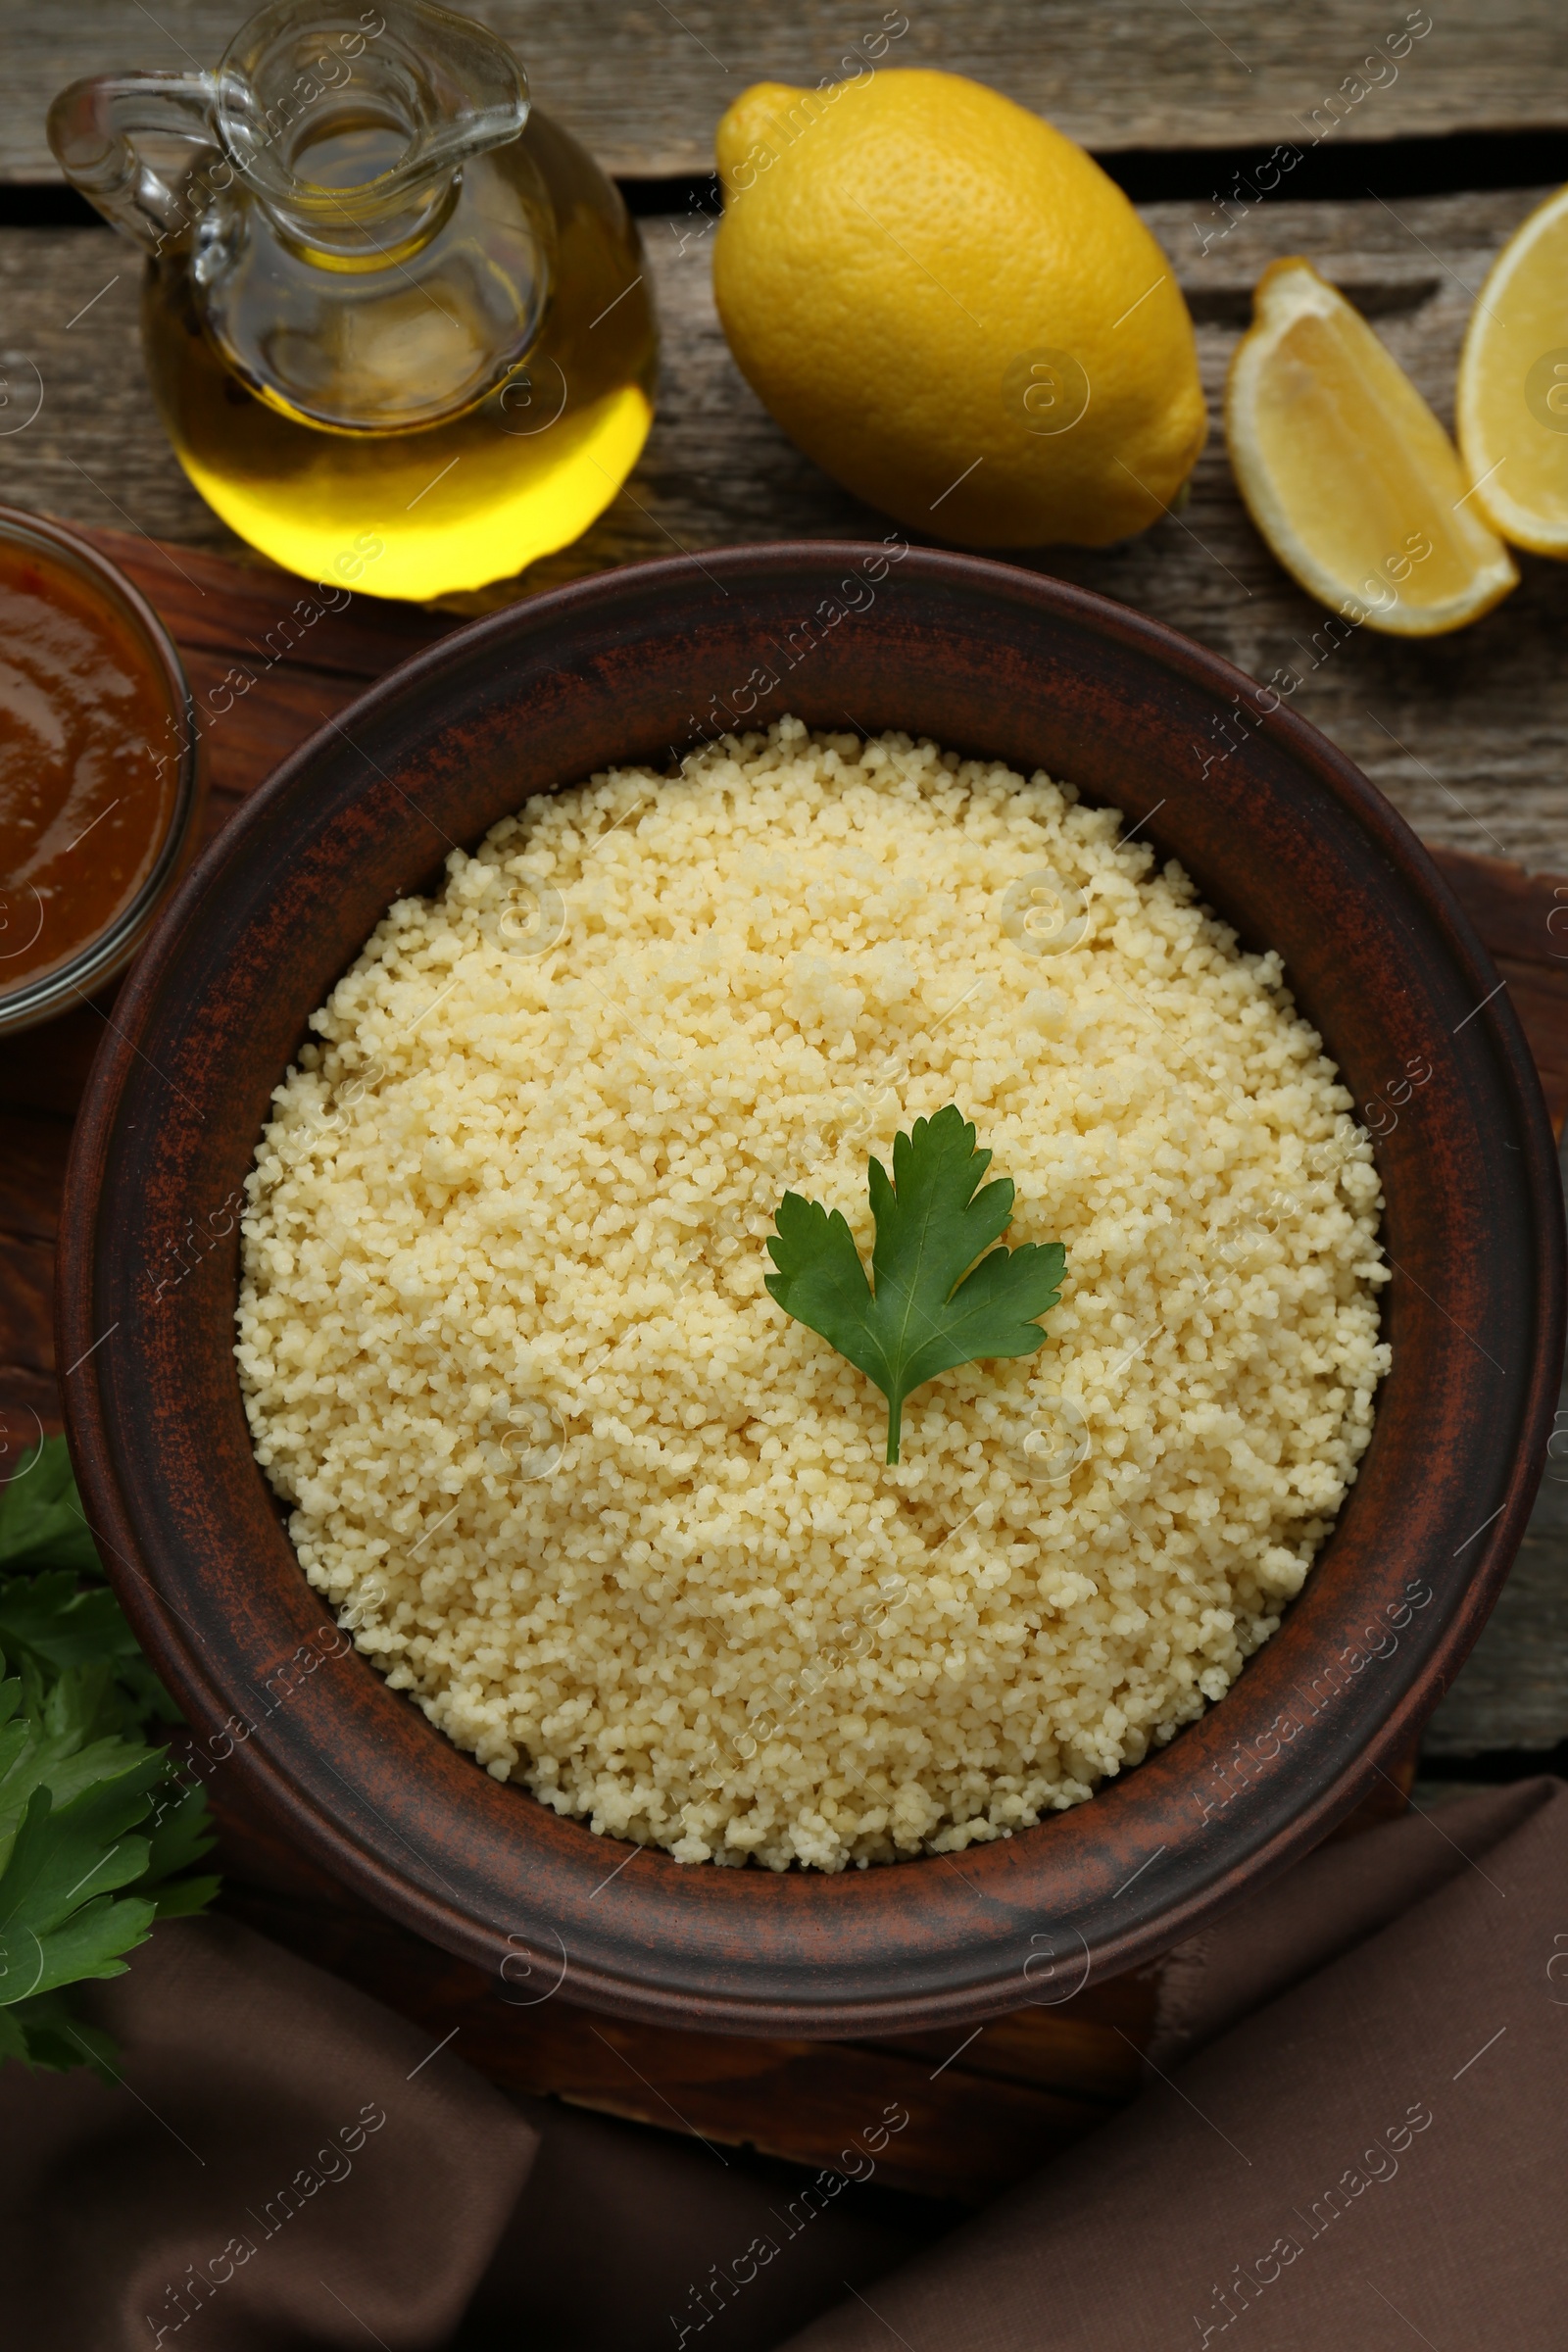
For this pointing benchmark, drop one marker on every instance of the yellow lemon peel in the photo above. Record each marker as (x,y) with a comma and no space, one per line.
(1512,406)
(1347,472)
(950,308)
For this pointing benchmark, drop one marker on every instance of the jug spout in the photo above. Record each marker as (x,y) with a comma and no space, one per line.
(350,218)
(345,127)
(350,131)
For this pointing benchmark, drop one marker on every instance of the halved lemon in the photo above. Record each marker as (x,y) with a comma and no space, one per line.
(1512,408)
(1345,471)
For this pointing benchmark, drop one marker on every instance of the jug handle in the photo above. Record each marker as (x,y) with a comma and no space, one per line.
(93,126)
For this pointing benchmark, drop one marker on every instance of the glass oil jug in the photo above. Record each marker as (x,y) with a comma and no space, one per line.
(396,322)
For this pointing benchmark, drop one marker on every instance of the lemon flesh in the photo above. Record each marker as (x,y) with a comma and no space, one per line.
(951,308)
(1347,472)
(1512,408)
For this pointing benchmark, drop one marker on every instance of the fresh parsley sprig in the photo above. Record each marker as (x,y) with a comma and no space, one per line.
(95,1830)
(926,1313)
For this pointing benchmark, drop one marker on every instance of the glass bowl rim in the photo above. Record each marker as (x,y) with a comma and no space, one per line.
(106,955)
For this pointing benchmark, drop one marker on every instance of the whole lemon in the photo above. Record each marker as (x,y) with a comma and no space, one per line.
(950,306)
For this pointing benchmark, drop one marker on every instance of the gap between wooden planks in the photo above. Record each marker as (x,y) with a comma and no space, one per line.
(645,86)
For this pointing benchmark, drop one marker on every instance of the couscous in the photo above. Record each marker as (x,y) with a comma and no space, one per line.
(620,1526)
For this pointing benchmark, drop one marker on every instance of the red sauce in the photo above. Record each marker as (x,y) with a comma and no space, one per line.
(89,765)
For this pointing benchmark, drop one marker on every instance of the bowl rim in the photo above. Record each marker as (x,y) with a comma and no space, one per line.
(446,1923)
(103,958)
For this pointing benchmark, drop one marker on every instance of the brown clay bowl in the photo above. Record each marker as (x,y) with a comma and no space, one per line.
(1284,837)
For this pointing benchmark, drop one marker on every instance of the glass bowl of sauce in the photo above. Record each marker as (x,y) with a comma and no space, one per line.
(100,769)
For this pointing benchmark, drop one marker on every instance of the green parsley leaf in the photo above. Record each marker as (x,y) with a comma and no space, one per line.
(63,1615)
(41,1523)
(95,1827)
(179,1832)
(49,1619)
(925,1314)
(46,2030)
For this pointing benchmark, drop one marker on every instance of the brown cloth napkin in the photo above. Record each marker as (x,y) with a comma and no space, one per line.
(1373,2158)
(286,2166)
(1353,2138)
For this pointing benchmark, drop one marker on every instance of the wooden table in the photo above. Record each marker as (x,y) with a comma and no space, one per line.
(1465,735)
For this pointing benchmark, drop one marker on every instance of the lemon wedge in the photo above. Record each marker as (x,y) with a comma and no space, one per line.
(1513,385)
(1345,471)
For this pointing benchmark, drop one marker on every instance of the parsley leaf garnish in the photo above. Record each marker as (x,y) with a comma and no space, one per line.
(925,1314)
(94,1825)
(41,1525)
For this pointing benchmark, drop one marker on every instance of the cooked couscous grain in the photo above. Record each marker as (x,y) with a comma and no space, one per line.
(619,1524)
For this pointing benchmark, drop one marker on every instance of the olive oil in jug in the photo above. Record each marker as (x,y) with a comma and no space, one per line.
(396,322)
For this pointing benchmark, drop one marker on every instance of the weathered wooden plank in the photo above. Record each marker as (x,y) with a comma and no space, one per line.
(1077,2055)
(33,1175)
(28,1400)
(644,84)
(283,625)
(1542,1011)
(42,1072)
(253,733)
(26,1316)
(1464,733)
(1513,1690)
(1528,923)
(1524,923)
(962,2134)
